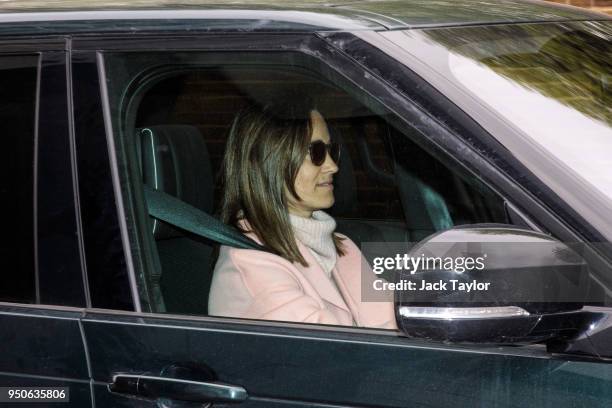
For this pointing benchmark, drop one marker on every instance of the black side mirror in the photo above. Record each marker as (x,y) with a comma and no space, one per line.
(513,283)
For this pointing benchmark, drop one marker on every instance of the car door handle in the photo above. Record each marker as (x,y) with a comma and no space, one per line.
(176,389)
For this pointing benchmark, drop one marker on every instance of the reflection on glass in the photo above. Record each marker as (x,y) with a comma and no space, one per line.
(552,81)
(569,65)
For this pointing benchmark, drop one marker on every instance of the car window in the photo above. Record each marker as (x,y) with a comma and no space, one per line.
(172,114)
(18,86)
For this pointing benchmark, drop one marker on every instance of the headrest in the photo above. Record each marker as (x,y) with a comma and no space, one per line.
(174,159)
(345,189)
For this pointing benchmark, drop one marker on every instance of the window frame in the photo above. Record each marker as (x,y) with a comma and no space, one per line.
(438,136)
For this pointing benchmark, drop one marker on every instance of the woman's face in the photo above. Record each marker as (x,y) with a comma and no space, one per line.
(314,184)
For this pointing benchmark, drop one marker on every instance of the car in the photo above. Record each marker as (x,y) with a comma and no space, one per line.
(475,122)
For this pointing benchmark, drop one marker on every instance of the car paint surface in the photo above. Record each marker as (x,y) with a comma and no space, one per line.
(390,14)
(347,368)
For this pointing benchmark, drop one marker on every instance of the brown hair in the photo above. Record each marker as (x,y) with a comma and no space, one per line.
(265,149)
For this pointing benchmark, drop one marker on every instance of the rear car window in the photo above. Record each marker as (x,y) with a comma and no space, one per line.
(18,87)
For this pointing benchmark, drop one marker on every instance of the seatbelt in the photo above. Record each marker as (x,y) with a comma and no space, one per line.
(177,213)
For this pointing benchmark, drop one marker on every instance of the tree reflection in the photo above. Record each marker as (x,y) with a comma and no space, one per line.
(567,62)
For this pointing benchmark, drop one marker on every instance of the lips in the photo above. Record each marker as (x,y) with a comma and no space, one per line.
(327,184)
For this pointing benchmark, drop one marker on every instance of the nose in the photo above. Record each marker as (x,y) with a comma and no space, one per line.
(329,165)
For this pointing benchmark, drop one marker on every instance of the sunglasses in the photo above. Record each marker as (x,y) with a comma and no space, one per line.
(319,149)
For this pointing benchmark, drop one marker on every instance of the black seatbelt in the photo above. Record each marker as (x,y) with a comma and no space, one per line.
(177,213)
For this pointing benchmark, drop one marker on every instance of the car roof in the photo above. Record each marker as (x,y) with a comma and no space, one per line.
(275,15)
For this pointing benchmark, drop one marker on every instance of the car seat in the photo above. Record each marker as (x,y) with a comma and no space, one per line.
(174,159)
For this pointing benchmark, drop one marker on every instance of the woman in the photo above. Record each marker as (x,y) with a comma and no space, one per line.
(278,176)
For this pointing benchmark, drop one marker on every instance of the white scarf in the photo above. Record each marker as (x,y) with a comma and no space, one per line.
(316,233)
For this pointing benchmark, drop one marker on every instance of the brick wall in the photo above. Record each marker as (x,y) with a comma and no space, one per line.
(603,6)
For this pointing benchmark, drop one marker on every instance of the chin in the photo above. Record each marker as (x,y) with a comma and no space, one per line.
(328,204)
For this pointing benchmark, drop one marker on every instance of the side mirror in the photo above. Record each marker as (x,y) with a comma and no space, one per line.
(511,284)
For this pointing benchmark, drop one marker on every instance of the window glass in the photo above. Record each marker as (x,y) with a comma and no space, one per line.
(562,72)
(18,83)
(173,114)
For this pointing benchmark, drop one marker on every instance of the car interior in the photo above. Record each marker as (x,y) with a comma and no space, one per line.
(387,189)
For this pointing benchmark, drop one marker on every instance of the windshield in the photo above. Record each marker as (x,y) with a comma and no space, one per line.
(564,71)
(543,90)
(554,82)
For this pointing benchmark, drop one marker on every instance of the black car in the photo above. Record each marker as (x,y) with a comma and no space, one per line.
(471,121)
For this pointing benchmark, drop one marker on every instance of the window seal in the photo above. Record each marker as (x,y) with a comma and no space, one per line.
(75,173)
(35,180)
(117,182)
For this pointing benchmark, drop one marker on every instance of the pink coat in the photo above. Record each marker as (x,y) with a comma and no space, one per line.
(260,285)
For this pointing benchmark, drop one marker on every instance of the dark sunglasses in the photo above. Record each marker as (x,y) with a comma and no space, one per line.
(318,151)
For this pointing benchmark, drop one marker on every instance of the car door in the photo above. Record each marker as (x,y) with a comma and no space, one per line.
(140,356)
(42,294)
